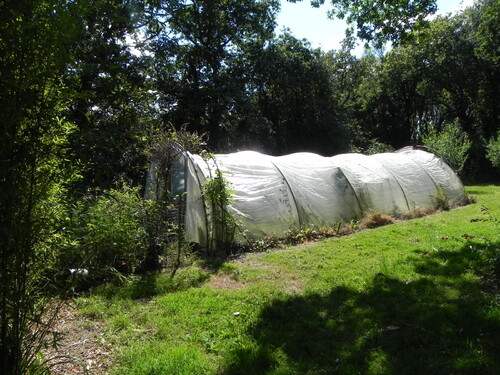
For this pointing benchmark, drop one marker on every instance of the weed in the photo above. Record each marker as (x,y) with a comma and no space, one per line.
(353,224)
(441,200)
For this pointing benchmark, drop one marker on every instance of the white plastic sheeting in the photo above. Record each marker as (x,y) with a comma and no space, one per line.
(274,194)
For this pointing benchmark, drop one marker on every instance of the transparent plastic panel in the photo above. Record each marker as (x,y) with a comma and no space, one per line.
(262,200)
(195,220)
(321,191)
(375,187)
(416,183)
(440,172)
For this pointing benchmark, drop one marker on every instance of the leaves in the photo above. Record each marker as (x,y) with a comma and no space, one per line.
(452,144)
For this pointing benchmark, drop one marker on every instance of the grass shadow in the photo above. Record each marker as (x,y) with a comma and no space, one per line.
(442,322)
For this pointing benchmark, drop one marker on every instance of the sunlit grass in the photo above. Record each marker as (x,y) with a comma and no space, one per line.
(415,297)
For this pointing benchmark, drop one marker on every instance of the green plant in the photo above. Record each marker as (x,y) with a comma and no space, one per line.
(493,150)
(34,174)
(440,200)
(223,225)
(109,238)
(451,143)
(390,296)
(353,224)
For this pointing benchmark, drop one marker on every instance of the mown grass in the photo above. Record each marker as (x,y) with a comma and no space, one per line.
(415,297)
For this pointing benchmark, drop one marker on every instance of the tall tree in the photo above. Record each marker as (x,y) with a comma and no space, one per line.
(199,49)
(382,21)
(111,106)
(441,78)
(36,40)
(294,92)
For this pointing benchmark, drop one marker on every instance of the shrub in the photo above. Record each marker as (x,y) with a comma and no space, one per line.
(108,238)
(493,151)
(452,144)
(114,237)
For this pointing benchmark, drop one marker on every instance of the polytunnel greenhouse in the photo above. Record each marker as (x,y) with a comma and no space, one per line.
(273,194)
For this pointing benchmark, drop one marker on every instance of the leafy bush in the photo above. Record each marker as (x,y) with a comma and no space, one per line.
(452,144)
(108,238)
(493,151)
(114,235)
(373,146)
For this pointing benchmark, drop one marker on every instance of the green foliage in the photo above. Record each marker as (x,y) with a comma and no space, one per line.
(111,105)
(223,225)
(113,236)
(116,234)
(452,144)
(389,21)
(106,236)
(373,147)
(201,65)
(436,79)
(493,151)
(36,40)
(294,95)
(489,27)
(441,201)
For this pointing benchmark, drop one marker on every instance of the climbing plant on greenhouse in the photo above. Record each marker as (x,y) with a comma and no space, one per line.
(218,195)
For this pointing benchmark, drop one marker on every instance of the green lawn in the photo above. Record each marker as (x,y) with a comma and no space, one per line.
(416,297)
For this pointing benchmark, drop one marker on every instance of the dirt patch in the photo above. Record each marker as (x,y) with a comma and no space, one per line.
(274,274)
(226,282)
(82,348)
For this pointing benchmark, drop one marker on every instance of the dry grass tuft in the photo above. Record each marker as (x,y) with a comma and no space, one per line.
(375,219)
(418,212)
(469,199)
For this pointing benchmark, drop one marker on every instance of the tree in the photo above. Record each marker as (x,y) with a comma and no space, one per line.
(382,21)
(111,106)
(200,48)
(436,79)
(36,40)
(488,30)
(387,100)
(294,94)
